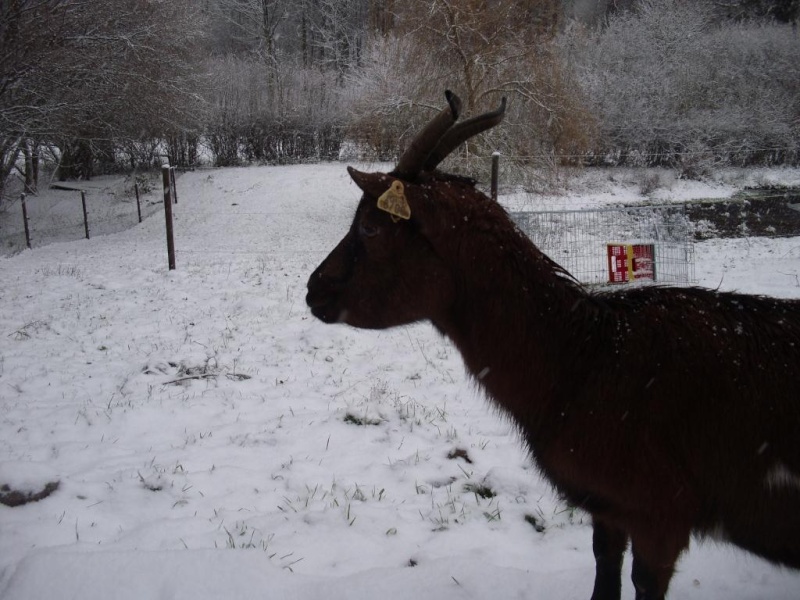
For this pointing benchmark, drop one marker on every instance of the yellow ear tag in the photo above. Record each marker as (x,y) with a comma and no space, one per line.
(394,202)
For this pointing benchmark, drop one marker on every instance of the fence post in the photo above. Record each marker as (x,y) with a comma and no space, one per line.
(174,187)
(495,173)
(25,219)
(165,179)
(85,214)
(138,204)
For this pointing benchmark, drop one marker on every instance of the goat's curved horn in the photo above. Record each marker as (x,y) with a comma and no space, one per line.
(415,156)
(460,133)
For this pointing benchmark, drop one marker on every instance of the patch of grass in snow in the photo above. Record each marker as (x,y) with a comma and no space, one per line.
(184,372)
(564,514)
(12,497)
(389,404)
(61,270)
(459,453)
(536,522)
(382,404)
(362,420)
(457,509)
(28,330)
(452,510)
(243,536)
(572,514)
(479,489)
(333,497)
(411,411)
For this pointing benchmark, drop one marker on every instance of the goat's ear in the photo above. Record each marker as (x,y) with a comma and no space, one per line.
(372,184)
(388,191)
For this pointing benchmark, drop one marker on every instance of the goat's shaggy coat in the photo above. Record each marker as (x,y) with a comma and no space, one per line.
(661,411)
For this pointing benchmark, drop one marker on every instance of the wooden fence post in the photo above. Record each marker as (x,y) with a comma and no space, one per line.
(138,204)
(165,180)
(85,214)
(25,219)
(174,187)
(495,173)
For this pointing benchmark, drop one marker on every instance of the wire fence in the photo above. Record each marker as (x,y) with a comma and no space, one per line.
(597,246)
(58,215)
(587,243)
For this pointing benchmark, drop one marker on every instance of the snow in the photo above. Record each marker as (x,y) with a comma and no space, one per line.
(213,440)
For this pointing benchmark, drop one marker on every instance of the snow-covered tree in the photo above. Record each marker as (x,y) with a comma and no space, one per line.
(671,84)
(482,51)
(80,76)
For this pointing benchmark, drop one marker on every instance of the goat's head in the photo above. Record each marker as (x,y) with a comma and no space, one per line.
(386,270)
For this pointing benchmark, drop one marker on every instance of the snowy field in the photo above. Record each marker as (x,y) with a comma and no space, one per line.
(211,440)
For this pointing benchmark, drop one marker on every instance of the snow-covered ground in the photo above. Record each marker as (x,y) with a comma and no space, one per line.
(212,440)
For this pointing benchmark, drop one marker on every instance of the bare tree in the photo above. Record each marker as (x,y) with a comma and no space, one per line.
(484,50)
(79,75)
(250,26)
(339,32)
(782,11)
(478,43)
(31,34)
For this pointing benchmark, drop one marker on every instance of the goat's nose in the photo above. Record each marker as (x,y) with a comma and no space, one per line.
(314,299)
(320,290)
(313,295)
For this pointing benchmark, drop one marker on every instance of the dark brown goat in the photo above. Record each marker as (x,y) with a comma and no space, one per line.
(661,411)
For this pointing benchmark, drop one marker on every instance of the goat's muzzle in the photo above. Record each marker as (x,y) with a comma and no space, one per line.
(323,298)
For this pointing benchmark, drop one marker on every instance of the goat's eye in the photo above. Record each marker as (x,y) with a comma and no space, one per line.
(368,230)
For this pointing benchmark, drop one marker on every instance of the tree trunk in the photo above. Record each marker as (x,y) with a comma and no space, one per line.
(31,154)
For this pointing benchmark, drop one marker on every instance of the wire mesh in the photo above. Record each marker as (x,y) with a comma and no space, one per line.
(578,240)
(57,217)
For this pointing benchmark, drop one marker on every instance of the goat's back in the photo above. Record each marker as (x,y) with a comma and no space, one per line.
(695,394)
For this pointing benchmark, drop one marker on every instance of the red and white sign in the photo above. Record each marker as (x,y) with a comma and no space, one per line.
(629,262)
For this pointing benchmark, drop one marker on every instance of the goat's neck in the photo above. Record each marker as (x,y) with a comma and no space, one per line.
(516,319)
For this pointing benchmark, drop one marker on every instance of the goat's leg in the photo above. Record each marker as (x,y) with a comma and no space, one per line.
(609,544)
(655,552)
